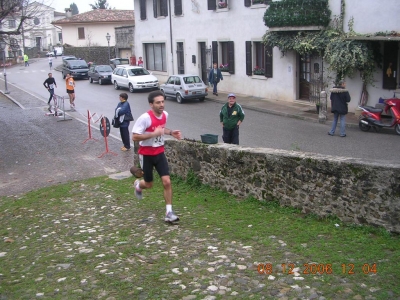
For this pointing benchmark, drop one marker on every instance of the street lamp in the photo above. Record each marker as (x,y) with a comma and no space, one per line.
(3,48)
(108,37)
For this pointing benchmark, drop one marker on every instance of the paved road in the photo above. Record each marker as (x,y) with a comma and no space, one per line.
(194,118)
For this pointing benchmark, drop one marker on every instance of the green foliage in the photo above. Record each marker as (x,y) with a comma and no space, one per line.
(74,8)
(100,4)
(297,13)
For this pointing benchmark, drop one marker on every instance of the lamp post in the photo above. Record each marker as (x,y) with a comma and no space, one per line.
(3,48)
(108,37)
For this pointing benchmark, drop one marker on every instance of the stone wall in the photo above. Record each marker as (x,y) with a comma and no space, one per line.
(356,191)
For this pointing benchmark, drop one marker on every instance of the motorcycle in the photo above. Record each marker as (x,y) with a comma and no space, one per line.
(372,117)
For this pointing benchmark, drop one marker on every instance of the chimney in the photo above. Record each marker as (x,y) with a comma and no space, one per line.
(68,12)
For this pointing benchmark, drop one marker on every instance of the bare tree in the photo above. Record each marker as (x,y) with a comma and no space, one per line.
(17,16)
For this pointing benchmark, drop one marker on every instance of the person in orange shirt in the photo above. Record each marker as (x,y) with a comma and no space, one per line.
(70,84)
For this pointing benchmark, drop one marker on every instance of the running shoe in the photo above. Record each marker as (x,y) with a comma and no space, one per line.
(125,149)
(171,217)
(138,191)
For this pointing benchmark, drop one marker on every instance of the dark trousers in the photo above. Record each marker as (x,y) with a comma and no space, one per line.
(51,91)
(125,137)
(231,136)
(215,88)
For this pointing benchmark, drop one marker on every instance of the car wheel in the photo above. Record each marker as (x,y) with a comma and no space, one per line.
(202,99)
(131,89)
(165,97)
(179,98)
(100,81)
(91,80)
(116,85)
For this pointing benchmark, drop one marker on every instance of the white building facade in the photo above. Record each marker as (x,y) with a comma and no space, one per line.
(187,36)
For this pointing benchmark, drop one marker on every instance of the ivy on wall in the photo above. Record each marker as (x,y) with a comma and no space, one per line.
(297,13)
(344,56)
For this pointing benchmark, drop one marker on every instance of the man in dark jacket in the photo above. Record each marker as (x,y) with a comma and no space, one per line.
(339,99)
(231,116)
(123,112)
(214,78)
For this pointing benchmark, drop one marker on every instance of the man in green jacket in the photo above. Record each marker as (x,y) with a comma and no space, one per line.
(231,116)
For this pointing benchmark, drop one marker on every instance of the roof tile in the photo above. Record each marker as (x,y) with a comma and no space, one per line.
(99,15)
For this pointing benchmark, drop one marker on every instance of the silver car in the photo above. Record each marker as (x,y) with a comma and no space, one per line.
(184,87)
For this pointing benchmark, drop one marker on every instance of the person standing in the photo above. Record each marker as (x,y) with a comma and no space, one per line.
(149,131)
(50,62)
(214,77)
(70,84)
(26,60)
(340,97)
(123,112)
(140,62)
(49,84)
(231,116)
(55,53)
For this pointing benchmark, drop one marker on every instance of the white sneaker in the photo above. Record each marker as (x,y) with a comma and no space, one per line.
(138,191)
(171,217)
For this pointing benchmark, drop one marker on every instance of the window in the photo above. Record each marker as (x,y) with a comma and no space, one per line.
(227,54)
(258,59)
(11,24)
(36,21)
(156,56)
(60,37)
(160,8)
(214,4)
(143,12)
(178,7)
(390,60)
(249,3)
(81,33)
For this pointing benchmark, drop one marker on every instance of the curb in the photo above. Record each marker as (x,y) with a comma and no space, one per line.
(283,114)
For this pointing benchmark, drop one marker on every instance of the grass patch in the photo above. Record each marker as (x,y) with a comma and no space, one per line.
(93,239)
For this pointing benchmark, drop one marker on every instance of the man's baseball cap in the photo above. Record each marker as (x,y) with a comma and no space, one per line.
(232,95)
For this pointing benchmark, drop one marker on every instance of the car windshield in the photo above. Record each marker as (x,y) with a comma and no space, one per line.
(138,72)
(78,64)
(191,79)
(121,61)
(104,69)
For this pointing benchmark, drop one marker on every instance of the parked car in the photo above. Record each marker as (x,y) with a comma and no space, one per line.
(69,57)
(100,73)
(50,53)
(184,87)
(118,61)
(133,78)
(78,68)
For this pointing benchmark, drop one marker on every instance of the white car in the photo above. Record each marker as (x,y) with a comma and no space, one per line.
(50,53)
(133,78)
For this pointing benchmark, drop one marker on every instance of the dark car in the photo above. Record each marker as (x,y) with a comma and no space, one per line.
(77,68)
(100,73)
(118,61)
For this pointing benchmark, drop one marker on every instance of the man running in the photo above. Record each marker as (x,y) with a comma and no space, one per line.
(70,84)
(49,84)
(149,130)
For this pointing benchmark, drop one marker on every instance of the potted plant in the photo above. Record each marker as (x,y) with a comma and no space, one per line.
(222,4)
(224,68)
(258,71)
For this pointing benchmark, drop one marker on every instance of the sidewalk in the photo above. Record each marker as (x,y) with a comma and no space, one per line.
(297,109)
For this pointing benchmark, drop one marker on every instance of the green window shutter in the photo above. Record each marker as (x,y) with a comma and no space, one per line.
(215,52)
(247,3)
(268,62)
(155,8)
(231,58)
(164,8)
(249,66)
(143,15)
(178,8)
(212,5)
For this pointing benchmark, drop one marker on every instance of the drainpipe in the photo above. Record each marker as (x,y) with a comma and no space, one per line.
(170,36)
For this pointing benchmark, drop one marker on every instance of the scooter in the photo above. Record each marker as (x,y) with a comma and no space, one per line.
(372,117)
